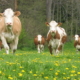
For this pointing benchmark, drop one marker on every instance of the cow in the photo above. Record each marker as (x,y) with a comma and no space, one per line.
(77,42)
(56,37)
(39,42)
(10,28)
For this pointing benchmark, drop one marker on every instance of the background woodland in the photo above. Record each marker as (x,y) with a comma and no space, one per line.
(34,14)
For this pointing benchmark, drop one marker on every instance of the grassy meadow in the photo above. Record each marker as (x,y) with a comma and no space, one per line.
(30,65)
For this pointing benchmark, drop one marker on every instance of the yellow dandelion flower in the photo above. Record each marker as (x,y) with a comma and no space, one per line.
(71,75)
(14,70)
(51,69)
(23,71)
(0,72)
(55,78)
(64,78)
(10,77)
(56,73)
(30,71)
(34,74)
(66,68)
(73,71)
(46,77)
(20,67)
(78,72)
(20,74)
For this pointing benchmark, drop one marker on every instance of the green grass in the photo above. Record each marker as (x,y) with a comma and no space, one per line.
(30,65)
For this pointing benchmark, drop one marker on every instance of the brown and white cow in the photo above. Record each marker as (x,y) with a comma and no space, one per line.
(77,42)
(56,37)
(10,28)
(39,41)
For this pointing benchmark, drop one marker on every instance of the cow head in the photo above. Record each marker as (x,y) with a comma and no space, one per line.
(53,27)
(76,37)
(8,15)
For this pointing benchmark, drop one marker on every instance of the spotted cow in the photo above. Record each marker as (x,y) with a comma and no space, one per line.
(77,42)
(39,42)
(56,37)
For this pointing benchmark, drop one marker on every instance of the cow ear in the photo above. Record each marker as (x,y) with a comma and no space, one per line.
(17,13)
(59,24)
(1,14)
(47,23)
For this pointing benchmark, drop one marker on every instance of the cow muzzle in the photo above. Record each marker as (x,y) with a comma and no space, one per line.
(9,24)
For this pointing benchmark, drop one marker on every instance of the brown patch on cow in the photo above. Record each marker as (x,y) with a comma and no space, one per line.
(49,37)
(64,39)
(60,47)
(16,26)
(57,36)
(36,42)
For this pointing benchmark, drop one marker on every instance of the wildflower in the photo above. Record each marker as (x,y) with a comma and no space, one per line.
(20,74)
(46,77)
(73,71)
(34,74)
(30,72)
(66,68)
(20,67)
(56,73)
(22,71)
(0,72)
(78,72)
(10,78)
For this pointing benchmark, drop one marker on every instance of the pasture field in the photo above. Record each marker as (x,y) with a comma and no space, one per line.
(30,65)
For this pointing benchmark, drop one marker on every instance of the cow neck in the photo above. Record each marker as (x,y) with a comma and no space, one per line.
(57,36)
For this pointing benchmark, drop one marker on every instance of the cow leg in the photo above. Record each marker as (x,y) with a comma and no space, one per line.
(59,49)
(14,44)
(42,48)
(50,49)
(5,44)
(38,48)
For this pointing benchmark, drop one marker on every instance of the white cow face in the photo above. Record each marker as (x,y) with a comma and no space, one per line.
(8,14)
(76,37)
(53,27)
(39,37)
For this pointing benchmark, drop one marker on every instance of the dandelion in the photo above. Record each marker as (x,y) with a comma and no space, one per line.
(20,74)
(34,74)
(10,77)
(20,67)
(22,71)
(56,73)
(78,72)
(51,69)
(30,71)
(66,68)
(46,77)
(0,72)
(73,71)
(55,78)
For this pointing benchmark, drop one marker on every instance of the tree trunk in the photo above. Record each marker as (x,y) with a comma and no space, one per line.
(48,10)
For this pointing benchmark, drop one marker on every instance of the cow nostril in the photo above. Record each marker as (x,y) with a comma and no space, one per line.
(8,23)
